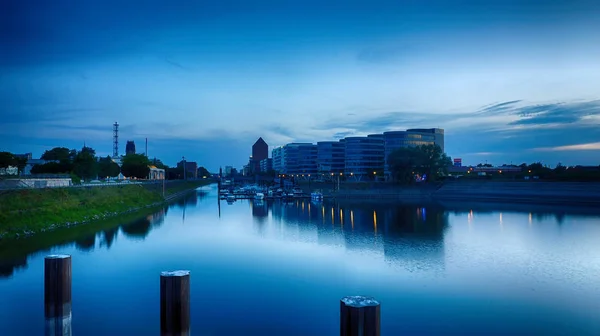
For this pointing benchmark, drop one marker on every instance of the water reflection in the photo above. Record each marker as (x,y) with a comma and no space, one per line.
(14,255)
(86,243)
(403,234)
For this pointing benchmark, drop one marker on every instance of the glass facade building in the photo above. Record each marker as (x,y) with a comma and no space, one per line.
(411,138)
(364,155)
(277,156)
(299,159)
(357,156)
(331,157)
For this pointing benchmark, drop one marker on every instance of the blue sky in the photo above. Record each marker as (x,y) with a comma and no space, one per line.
(510,81)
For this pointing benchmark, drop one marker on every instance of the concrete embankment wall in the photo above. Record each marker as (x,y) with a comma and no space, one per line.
(538,192)
(583,193)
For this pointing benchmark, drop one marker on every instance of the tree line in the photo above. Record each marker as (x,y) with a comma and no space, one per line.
(406,164)
(84,164)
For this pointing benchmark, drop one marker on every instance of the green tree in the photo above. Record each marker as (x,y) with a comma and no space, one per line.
(7,159)
(203,172)
(61,154)
(135,165)
(427,160)
(402,162)
(159,164)
(85,164)
(107,167)
(432,161)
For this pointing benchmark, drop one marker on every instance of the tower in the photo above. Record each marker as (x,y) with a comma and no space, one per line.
(116,139)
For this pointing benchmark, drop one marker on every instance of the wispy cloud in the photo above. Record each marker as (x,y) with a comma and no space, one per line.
(580,147)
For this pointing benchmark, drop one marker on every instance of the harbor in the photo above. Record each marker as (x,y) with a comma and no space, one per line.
(230,192)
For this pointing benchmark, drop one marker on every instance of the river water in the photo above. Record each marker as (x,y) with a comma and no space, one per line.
(280,269)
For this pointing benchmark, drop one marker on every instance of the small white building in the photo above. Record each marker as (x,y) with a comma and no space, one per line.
(156,173)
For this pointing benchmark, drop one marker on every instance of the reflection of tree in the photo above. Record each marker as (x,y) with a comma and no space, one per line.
(86,243)
(109,236)
(9,266)
(137,229)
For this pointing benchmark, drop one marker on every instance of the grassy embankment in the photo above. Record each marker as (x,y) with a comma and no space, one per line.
(25,212)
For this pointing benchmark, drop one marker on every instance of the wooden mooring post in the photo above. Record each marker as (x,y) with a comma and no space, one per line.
(57,295)
(359,316)
(175,303)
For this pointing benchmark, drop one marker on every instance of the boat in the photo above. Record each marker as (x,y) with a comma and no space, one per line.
(259,196)
(230,198)
(316,196)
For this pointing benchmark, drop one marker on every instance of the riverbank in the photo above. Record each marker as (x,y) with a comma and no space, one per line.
(30,211)
(572,193)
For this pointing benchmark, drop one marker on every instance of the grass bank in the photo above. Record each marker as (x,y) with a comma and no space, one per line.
(26,212)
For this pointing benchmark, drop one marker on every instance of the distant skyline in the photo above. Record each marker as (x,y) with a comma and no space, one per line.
(509,81)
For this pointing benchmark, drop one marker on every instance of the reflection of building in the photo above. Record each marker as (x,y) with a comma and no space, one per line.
(130,148)
(409,235)
(156,173)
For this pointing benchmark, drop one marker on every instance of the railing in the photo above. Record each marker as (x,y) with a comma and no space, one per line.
(359,315)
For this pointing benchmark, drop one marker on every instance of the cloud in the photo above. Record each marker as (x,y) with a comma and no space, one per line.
(579,147)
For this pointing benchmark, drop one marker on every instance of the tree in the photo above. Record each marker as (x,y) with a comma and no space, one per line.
(401,163)
(427,160)
(85,165)
(159,164)
(7,159)
(203,172)
(107,167)
(432,161)
(135,165)
(61,154)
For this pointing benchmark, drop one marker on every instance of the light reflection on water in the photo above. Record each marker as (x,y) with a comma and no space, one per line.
(282,268)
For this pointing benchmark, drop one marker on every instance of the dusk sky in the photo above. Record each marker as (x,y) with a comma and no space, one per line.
(509,81)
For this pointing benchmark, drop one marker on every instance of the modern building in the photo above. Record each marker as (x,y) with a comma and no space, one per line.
(260,151)
(299,159)
(266,165)
(437,133)
(331,157)
(354,156)
(364,156)
(130,148)
(277,156)
(191,168)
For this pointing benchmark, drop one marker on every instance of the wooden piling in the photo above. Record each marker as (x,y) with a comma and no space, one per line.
(359,316)
(175,303)
(57,295)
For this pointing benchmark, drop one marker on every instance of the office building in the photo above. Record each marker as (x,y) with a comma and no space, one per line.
(437,133)
(260,151)
(130,148)
(300,159)
(277,156)
(331,157)
(191,168)
(364,156)
(410,138)
(266,165)
(359,156)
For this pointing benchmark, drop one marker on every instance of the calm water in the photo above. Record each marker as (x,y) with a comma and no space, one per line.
(281,269)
